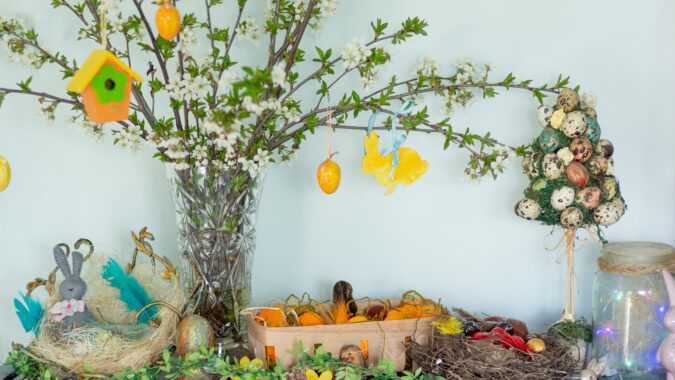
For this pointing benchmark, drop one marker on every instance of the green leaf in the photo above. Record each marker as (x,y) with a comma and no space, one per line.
(25,85)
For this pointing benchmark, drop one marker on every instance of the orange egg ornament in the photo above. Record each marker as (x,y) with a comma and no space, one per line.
(167,19)
(328,175)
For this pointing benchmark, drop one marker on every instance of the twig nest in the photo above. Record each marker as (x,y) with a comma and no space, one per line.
(590,111)
(592,129)
(574,124)
(549,140)
(544,113)
(530,164)
(605,148)
(528,209)
(610,187)
(598,165)
(568,100)
(581,148)
(552,166)
(571,217)
(562,198)
(589,197)
(609,213)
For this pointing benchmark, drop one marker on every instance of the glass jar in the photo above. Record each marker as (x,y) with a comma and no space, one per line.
(629,302)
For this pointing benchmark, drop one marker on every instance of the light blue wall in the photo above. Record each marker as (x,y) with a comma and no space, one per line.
(444,237)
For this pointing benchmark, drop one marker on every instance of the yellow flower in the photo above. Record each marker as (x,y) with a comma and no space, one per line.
(557,118)
(449,326)
(312,375)
(245,363)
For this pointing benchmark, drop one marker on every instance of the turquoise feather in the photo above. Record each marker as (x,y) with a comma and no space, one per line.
(131,291)
(30,313)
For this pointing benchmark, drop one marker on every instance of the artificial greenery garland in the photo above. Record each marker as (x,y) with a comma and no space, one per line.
(194,364)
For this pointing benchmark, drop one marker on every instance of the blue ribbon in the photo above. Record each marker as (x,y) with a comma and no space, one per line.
(396,141)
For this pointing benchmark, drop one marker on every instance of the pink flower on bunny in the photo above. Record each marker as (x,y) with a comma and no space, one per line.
(666,353)
(66,308)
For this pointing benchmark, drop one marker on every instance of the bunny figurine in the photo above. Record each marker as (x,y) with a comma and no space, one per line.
(71,311)
(593,371)
(666,353)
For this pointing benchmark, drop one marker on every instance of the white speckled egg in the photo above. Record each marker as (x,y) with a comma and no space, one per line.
(544,114)
(568,100)
(609,213)
(620,205)
(562,197)
(571,217)
(530,164)
(552,166)
(574,124)
(528,209)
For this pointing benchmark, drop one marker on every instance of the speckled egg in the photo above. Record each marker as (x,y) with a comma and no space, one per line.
(550,140)
(605,148)
(568,100)
(589,197)
(544,114)
(581,148)
(590,111)
(592,129)
(562,198)
(610,187)
(609,213)
(571,217)
(528,209)
(621,205)
(574,124)
(552,166)
(598,165)
(539,184)
(531,164)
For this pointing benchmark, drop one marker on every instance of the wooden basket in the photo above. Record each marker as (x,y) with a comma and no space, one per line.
(388,340)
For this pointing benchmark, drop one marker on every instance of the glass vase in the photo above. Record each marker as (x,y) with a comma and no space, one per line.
(216,214)
(629,303)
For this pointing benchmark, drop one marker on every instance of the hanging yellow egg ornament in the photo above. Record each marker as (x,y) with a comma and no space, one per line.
(167,19)
(329,175)
(5,173)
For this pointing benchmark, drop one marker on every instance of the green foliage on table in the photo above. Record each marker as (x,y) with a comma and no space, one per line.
(172,367)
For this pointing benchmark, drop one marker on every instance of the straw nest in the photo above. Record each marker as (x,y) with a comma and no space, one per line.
(115,342)
(456,357)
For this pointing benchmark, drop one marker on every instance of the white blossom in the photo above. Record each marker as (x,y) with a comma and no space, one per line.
(328,7)
(249,29)
(565,155)
(226,81)
(194,87)
(279,74)
(257,165)
(427,66)
(291,114)
(174,88)
(188,41)
(287,160)
(19,53)
(355,53)
(109,6)
(466,70)
(130,137)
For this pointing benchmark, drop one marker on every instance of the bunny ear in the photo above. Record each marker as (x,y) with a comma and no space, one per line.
(77,263)
(670,285)
(62,261)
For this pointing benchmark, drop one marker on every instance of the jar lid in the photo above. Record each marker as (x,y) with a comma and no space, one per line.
(638,253)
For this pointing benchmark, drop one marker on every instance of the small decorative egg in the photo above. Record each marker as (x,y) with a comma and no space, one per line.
(194,332)
(592,129)
(552,166)
(577,174)
(574,124)
(544,114)
(589,197)
(536,345)
(571,217)
(605,148)
(608,213)
(539,184)
(568,100)
(581,148)
(5,173)
(598,165)
(590,111)
(531,164)
(549,139)
(610,187)
(621,205)
(562,198)
(528,209)
(557,119)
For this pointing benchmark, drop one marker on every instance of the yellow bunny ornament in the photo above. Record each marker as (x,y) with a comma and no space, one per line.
(400,166)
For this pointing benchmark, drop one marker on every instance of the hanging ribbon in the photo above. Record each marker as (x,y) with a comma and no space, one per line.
(104,29)
(396,141)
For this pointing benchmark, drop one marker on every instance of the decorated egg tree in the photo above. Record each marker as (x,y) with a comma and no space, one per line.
(571,170)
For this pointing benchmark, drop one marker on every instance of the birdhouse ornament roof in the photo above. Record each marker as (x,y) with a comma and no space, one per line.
(93,65)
